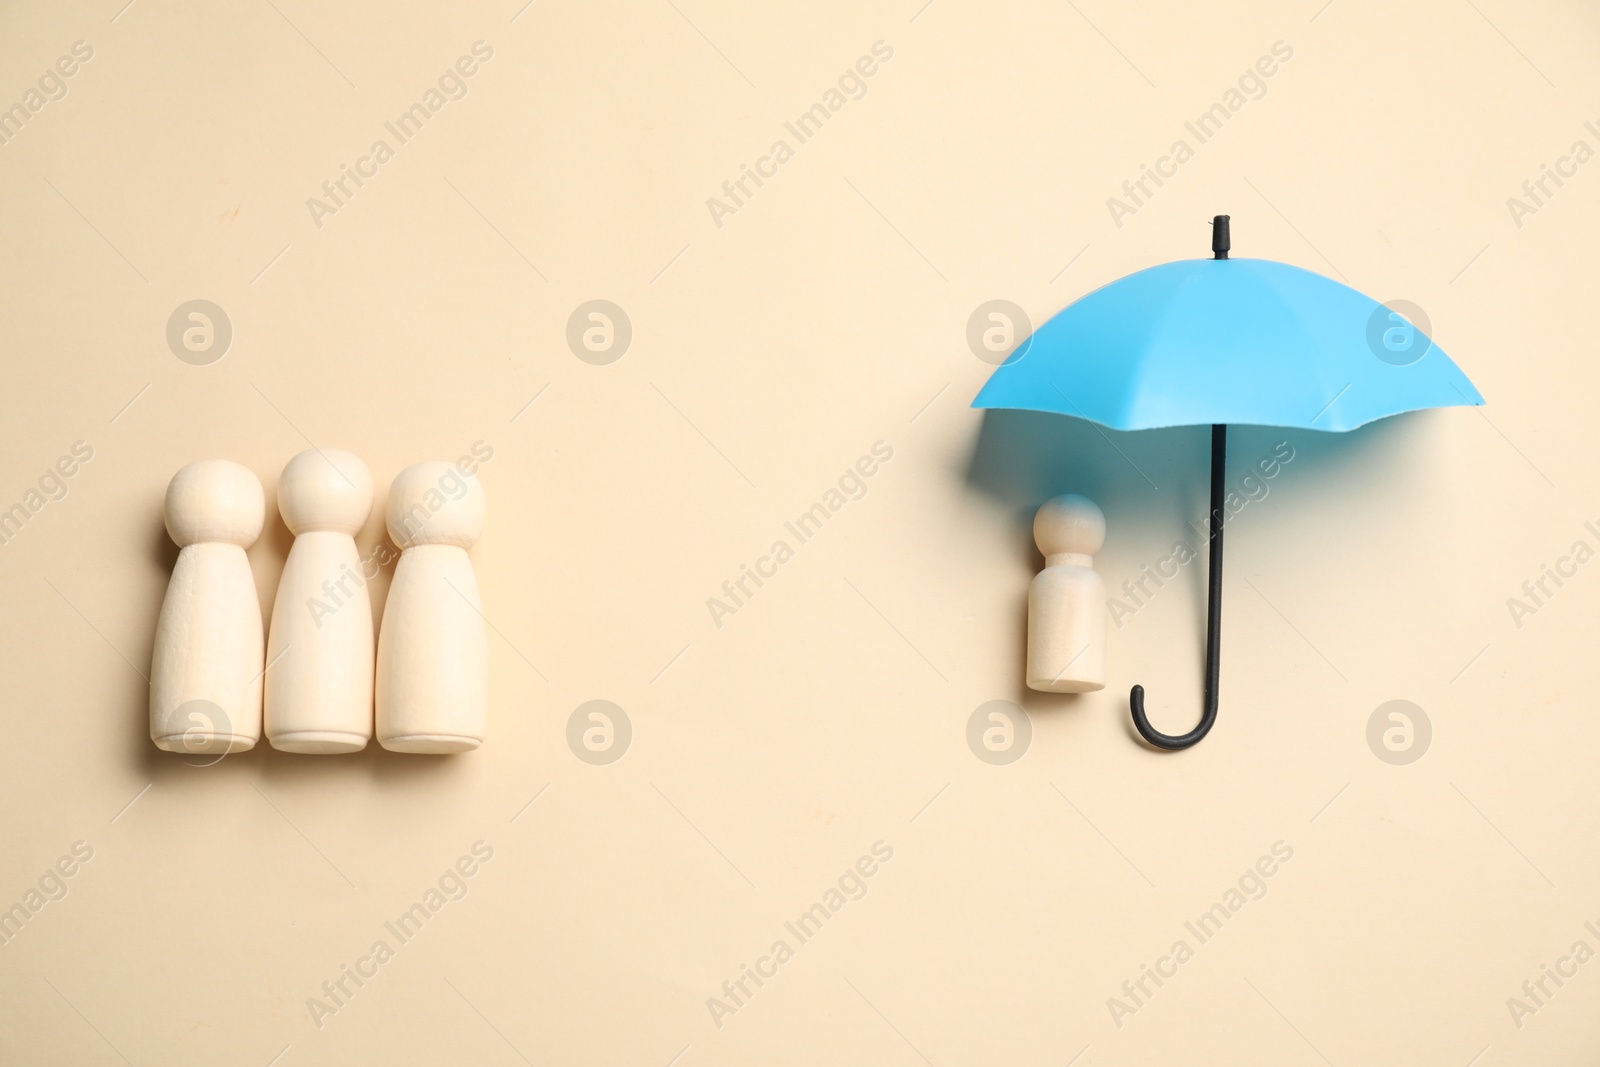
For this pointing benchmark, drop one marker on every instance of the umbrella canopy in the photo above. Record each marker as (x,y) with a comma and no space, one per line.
(1245,341)
(1218,341)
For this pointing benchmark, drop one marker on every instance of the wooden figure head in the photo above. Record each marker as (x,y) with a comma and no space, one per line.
(435,503)
(215,500)
(1070,525)
(325,489)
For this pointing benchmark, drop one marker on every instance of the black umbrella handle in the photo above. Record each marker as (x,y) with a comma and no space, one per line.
(1171,742)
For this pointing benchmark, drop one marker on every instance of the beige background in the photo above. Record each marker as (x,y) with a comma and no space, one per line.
(829,713)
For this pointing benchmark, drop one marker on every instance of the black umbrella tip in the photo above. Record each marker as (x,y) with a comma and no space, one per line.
(1220,241)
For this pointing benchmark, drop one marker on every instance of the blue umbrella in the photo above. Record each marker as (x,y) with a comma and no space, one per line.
(1214,341)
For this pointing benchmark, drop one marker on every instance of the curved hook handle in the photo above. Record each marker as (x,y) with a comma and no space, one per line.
(1174,742)
(1170,742)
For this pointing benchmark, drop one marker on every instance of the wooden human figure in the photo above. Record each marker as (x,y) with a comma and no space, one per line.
(1067,600)
(205,671)
(320,650)
(433,650)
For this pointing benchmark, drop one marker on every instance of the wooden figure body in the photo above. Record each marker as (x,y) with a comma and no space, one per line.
(205,670)
(1067,600)
(433,651)
(320,650)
